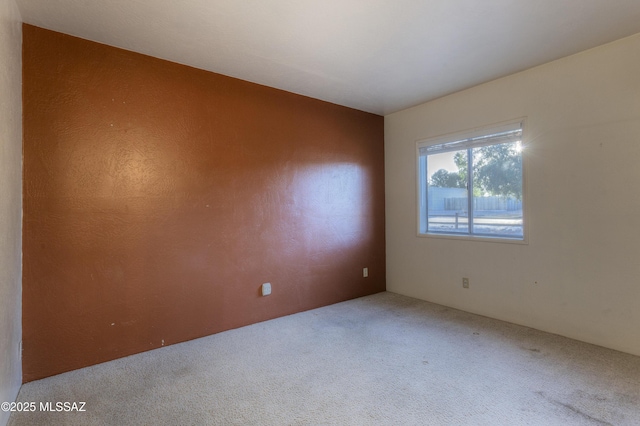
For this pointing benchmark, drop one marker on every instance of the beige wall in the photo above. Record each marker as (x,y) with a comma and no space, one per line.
(10,201)
(579,275)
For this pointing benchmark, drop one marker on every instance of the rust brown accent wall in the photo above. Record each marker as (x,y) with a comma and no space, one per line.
(158,198)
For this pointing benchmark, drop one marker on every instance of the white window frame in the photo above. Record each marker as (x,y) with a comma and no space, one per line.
(459,141)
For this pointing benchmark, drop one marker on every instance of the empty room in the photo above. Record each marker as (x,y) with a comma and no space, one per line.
(301,213)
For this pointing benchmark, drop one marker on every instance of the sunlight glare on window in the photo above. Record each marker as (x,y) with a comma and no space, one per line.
(472,184)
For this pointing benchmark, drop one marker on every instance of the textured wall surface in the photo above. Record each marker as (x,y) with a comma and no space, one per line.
(578,275)
(158,198)
(10,201)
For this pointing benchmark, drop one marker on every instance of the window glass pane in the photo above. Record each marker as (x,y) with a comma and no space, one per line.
(497,190)
(471,183)
(447,199)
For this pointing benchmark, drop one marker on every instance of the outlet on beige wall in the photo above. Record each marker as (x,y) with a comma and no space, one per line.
(575,277)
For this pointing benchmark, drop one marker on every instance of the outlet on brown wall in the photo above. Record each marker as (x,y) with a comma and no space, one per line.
(158,198)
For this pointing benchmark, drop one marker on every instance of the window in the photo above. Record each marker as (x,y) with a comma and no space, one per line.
(471,184)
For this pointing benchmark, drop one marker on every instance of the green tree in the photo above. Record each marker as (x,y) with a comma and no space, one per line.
(445,179)
(460,158)
(497,170)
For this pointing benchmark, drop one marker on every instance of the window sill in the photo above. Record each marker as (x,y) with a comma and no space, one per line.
(475,238)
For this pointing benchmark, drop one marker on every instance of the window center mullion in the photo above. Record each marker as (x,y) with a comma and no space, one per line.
(470,189)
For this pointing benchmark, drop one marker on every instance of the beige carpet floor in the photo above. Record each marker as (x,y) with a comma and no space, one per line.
(379,360)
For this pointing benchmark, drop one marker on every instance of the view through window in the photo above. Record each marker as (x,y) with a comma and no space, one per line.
(472,184)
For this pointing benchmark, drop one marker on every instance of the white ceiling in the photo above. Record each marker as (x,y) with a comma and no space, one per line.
(379,56)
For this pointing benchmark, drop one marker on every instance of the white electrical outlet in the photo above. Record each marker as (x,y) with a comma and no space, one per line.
(365,272)
(266,289)
(465,283)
